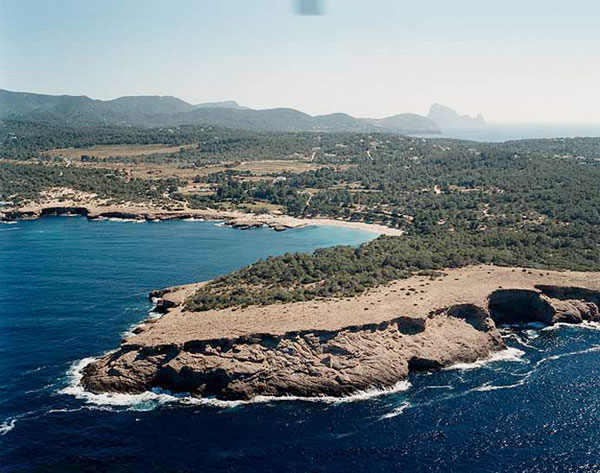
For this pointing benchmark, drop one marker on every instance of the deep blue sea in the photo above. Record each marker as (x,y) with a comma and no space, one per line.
(70,288)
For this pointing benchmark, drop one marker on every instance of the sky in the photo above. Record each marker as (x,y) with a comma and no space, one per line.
(512,60)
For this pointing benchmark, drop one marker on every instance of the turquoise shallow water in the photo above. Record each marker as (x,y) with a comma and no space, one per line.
(70,288)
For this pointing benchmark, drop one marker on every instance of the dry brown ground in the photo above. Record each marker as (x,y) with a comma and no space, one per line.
(259,170)
(413,297)
(107,151)
(142,170)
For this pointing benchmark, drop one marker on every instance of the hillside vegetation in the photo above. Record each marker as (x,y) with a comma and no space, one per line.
(532,203)
(171,111)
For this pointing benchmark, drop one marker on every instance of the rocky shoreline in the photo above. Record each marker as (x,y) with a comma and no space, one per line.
(231,218)
(339,347)
(235,219)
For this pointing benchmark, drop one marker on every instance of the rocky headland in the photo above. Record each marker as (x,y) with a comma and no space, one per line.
(340,346)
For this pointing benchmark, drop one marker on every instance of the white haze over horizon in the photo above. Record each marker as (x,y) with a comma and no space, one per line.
(513,61)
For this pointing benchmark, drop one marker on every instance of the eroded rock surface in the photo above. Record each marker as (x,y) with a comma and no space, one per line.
(311,363)
(545,304)
(339,347)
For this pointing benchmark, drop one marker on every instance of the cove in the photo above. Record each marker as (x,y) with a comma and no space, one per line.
(70,288)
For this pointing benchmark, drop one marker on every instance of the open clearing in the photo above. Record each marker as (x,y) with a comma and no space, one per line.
(107,151)
(263,170)
(276,166)
(257,169)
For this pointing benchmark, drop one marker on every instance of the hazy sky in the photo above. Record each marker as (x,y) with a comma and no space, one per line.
(512,60)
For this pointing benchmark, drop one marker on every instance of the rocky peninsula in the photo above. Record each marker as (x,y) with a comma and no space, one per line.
(340,346)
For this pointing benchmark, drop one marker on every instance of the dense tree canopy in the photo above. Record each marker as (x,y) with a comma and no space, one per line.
(530,203)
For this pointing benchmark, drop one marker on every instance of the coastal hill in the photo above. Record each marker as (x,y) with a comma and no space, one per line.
(411,122)
(222,104)
(171,111)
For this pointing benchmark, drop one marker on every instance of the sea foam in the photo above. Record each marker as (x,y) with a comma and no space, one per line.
(152,315)
(583,325)
(119,219)
(492,387)
(591,349)
(150,399)
(509,354)
(397,411)
(7,426)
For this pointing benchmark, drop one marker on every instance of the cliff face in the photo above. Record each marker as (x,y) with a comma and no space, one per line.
(234,219)
(183,354)
(308,363)
(547,305)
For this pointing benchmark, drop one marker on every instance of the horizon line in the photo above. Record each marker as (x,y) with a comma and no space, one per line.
(472,114)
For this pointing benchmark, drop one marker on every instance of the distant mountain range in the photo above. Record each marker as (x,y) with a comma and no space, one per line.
(169,111)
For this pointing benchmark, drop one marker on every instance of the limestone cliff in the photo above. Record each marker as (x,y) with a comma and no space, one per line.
(339,347)
(307,363)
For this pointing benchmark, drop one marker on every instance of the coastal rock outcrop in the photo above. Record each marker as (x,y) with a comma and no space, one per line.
(311,363)
(235,219)
(545,304)
(341,346)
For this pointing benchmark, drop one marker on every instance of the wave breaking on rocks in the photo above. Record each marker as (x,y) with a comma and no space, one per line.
(332,349)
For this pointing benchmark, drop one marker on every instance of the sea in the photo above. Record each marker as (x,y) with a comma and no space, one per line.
(71,289)
(499,132)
